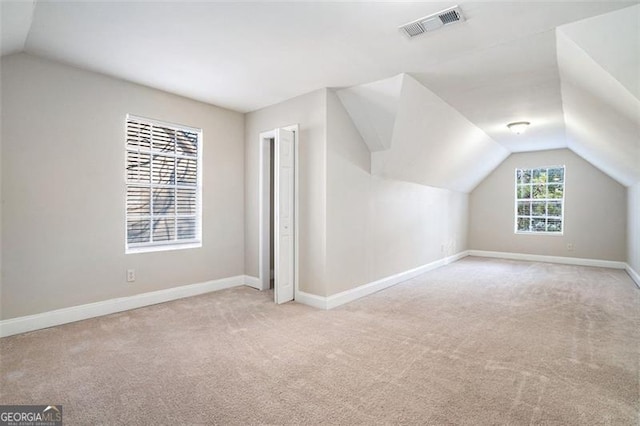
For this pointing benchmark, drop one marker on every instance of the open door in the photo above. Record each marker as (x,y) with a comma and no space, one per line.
(284,227)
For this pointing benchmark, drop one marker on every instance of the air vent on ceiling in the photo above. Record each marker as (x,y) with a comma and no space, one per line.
(433,22)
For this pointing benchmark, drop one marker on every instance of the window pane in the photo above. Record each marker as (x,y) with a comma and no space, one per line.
(554,225)
(524,208)
(186,201)
(540,191)
(538,225)
(186,143)
(138,135)
(538,208)
(163,169)
(138,167)
(524,224)
(186,228)
(164,139)
(138,231)
(555,191)
(163,201)
(164,229)
(138,200)
(539,176)
(524,192)
(187,171)
(163,190)
(546,192)
(556,175)
(554,208)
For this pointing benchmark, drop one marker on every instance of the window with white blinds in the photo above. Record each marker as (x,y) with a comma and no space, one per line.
(163,185)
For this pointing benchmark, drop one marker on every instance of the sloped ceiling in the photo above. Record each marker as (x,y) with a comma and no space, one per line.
(577,85)
(515,81)
(425,140)
(599,63)
(571,68)
(15,22)
(248,55)
(374,107)
(612,40)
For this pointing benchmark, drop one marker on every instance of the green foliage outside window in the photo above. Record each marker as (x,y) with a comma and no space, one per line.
(540,199)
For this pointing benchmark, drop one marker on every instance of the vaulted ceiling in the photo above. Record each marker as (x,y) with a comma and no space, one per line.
(578,85)
(570,68)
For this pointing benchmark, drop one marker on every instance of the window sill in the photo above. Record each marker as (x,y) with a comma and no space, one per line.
(168,247)
(555,234)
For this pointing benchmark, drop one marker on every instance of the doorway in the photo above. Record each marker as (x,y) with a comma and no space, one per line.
(278,204)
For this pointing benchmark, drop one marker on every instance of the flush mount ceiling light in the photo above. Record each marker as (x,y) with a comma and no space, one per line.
(518,127)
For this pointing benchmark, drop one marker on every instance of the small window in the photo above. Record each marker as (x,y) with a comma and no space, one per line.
(163,168)
(540,200)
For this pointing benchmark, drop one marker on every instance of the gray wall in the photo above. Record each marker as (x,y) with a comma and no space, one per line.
(595,211)
(633,218)
(379,227)
(354,227)
(309,111)
(63,228)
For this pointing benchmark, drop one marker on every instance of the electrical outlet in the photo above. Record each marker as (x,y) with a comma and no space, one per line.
(570,246)
(131,275)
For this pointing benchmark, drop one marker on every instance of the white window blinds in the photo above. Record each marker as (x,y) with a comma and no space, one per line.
(163,184)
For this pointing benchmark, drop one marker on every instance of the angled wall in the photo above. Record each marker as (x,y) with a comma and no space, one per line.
(355,227)
(602,117)
(378,226)
(429,143)
(373,108)
(612,41)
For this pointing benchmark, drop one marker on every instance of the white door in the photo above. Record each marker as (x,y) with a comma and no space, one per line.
(284,215)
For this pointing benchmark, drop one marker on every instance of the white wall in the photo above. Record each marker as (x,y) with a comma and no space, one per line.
(595,211)
(409,131)
(633,225)
(309,111)
(600,114)
(354,227)
(1,198)
(63,163)
(379,227)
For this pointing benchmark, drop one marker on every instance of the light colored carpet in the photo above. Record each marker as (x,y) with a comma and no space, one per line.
(477,342)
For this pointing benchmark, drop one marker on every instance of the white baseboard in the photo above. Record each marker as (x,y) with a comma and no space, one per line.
(252,282)
(549,259)
(350,295)
(312,300)
(24,324)
(633,274)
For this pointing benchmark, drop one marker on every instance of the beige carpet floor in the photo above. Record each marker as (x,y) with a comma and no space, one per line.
(478,342)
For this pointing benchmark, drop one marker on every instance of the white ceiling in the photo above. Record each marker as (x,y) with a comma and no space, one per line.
(509,61)
(245,56)
(613,41)
(515,81)
(15,21)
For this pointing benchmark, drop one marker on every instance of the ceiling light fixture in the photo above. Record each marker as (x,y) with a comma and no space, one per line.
(518,127)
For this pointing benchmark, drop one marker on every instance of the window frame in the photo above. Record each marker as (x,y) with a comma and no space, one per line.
(154,246)
(546,200)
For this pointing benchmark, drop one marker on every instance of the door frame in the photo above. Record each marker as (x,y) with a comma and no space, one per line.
(264,215)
